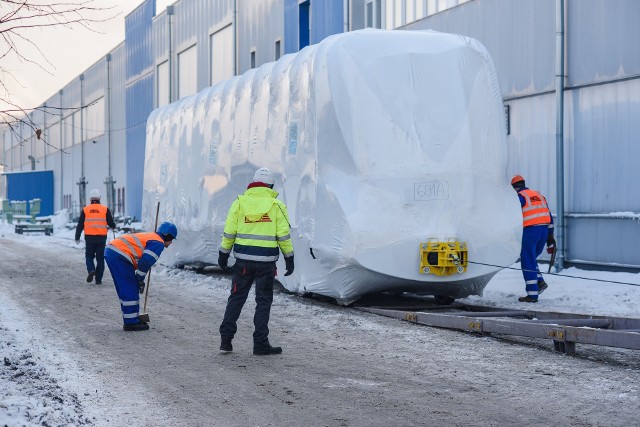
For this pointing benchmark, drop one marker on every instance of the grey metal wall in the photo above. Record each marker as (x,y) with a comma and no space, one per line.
(602,97)
(117,126)
(326,18)
(193,23)
(602,109)
(139,79)
(256,31)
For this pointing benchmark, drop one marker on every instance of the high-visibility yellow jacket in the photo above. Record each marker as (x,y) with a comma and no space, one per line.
(257,226)
(95,220)
(534,209)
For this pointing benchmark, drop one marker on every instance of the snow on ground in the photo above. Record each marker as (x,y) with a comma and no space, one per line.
(30,393)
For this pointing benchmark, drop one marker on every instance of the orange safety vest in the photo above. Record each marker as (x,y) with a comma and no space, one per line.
(535,210)
(95,220)
(132,245)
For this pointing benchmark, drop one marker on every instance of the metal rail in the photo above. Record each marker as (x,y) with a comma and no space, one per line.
(565,329)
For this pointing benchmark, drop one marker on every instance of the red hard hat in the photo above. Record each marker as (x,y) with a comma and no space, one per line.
(516,178)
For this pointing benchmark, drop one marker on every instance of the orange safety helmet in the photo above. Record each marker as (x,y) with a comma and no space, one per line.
(517,178)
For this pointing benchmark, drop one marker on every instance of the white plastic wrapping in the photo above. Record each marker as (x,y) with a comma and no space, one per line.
(379,139)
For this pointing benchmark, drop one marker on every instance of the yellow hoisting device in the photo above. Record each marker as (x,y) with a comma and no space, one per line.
(443,258)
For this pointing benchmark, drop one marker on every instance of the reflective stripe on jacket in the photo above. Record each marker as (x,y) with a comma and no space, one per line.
(257,227)
(535,210)
(95,220)
(132,246)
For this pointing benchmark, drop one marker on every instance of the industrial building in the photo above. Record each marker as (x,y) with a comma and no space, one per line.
(578,58)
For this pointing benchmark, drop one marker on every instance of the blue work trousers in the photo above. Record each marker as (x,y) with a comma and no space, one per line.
(533,240)
(244,274)
(124,279)
(94,249)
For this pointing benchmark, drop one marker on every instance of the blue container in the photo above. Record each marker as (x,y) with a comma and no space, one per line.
(32,185)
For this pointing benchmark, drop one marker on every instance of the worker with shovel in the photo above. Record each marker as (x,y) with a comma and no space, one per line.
(537,230)
(129,258)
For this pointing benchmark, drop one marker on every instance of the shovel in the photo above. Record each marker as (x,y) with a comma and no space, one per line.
(553,258)
(144,316)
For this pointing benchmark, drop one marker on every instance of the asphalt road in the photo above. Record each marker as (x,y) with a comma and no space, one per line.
(340,367)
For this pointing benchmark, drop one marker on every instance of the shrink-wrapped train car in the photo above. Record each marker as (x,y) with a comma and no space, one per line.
(390,152)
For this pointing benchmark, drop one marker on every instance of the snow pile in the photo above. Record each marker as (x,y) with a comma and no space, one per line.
(29,395)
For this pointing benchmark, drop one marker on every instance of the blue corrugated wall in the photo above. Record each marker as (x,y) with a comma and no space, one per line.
(24,186)
(327,18)
(139,98)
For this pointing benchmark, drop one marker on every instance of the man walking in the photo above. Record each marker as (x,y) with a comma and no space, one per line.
(129,258)
(257,229)
(537,230)
(94,219)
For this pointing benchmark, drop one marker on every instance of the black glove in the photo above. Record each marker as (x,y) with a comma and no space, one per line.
(223,260)
(551,244)
(140,280)
(288,261)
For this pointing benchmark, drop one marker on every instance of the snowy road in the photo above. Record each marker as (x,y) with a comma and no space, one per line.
(68,362)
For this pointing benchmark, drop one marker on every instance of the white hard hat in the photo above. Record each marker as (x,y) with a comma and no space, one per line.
(94,194)
(265,176)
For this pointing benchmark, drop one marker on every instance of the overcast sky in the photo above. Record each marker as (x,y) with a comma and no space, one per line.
(70,51)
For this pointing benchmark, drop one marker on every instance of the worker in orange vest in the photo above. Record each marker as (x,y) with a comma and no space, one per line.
(537,231)
(94,219)
(129,258)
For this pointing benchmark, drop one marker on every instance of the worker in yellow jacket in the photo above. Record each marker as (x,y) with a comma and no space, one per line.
(257,229)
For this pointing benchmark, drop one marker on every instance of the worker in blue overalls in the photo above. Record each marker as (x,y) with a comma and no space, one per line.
(537,231)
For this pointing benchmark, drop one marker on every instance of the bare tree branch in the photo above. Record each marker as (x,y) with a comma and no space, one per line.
(18,19)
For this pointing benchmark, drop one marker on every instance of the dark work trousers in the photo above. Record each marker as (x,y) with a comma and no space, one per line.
(124,279)
(533,240)
(94,248)
(244,273)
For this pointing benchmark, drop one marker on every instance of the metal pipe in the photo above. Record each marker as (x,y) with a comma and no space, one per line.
(609,215)
(170,47)
(21,144)
(31,142)
(345,13)
(109,181)
(82,182)
(603,264)
(61,158)
(235,38)
(108,114)
(44,126)
(560,226)
(81,125)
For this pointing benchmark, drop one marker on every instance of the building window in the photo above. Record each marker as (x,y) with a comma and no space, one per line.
(304,24)
(94,118)
(278,52)
(221,55)
(253,58)
(373,14)
(162,88)
(187,72)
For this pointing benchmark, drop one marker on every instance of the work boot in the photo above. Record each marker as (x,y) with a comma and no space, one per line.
(542,285)
(225,344)
(263,351)
(90,276)
(528,298)
(136,327)
(98,282)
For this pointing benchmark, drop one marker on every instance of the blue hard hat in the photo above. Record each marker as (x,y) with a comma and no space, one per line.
(167,229)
